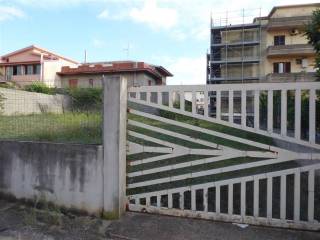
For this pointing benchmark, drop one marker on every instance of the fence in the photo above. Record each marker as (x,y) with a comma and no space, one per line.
(244,153)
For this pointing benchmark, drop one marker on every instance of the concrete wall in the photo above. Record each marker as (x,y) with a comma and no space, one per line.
(68,175)
(23,102)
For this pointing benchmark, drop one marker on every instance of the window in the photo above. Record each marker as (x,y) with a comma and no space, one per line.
(9,71)
(279,40)
(14,70)
(20,70)
(29,69)
(73,83)
(91,83)
(282,67)
(37,69)
(149,82)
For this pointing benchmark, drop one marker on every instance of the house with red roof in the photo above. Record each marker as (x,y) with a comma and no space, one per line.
(36,64)
(91,74)
(33,64)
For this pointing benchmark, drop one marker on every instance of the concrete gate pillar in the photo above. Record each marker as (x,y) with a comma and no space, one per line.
(114,144)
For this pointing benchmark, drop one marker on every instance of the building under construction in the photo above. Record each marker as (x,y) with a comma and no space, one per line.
(246,47)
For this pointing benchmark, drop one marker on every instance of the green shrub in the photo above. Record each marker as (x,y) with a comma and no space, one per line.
(86,99)
(39,87)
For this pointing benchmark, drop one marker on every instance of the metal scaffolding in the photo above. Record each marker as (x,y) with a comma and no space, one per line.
(235,49)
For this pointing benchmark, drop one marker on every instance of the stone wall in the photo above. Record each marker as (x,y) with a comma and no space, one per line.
(68,175)
(23,102)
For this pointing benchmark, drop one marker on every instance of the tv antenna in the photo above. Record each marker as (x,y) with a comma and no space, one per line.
(127,50)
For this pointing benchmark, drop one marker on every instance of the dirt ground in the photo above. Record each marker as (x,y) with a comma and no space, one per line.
(21,222)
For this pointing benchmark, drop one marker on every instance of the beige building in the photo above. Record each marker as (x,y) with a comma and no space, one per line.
(271,48)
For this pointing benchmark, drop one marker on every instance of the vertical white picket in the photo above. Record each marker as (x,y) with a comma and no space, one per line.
(256,109)
(218,199)
(158,200)
(243,199)
(256,197)
(296,214)
(284,112)
(230,106)
(269,198)
(311,195)
(194,99)
(182,101)
(312,116)
(205,199)
(243,108)
(270,111)
(297,113)
(193,200)
(159,96)
(181,200)
(170,200)
(206,101)
(148,97)
(230,199)
(283,195)
(170,96)
(218,105)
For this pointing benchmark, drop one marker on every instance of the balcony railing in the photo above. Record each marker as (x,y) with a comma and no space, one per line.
(288,22)
(294,49)
(291,77)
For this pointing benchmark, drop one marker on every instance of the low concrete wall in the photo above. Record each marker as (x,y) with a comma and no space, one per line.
(23,102)
(68,175)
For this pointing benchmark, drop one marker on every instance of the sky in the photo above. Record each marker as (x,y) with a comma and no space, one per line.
(171,33)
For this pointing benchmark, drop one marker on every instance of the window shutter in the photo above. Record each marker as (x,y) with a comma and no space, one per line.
(276,67)
(287,67)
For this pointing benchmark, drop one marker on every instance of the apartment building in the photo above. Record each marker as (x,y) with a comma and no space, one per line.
(271,48)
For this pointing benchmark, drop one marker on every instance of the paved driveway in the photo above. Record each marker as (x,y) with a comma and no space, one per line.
(146,227)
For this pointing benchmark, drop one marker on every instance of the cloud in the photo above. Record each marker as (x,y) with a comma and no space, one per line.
(104,14)
(187,70)
(8,13)
(98,43)
(154,16)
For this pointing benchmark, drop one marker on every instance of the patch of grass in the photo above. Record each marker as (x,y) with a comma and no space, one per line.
(70,127)
(166,162)
(196,168)
(194,134)
(143,155)
(167,138)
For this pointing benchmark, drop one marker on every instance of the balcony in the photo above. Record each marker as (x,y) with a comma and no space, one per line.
(291,77)
(288,22)
(290,50)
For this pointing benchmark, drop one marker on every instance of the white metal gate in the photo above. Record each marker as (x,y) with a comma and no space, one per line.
(245,153)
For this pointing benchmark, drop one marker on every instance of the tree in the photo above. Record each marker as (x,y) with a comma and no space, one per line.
(313,35)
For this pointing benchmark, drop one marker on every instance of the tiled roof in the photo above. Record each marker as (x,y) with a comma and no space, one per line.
(116,67)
